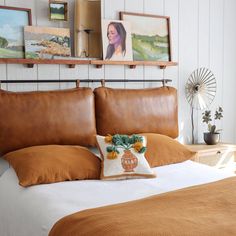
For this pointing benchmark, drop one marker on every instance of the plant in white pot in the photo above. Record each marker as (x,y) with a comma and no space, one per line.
(212,137)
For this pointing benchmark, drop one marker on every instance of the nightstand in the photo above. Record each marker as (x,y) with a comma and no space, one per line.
(221,156)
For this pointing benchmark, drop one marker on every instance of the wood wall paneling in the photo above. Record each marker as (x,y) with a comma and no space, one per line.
(188,34)
(137,73)
(229,72)
(3,76)
(96,73)
(3,68)
(202,33)
(203,52)
(171,8)
(19,71)
(48,72)
(216,50)
(154,7)
(111,11)
(134,6)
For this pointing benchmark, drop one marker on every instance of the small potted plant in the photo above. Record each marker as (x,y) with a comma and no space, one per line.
(212,137)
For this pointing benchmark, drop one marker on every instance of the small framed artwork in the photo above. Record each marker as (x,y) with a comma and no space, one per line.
(47,42)
(12,22)
(150,36)
(58,10)
(116,38)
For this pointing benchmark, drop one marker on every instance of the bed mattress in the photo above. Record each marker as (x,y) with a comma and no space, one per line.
(34,210)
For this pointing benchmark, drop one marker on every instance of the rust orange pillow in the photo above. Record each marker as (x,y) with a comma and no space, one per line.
(163,150)
(53,163)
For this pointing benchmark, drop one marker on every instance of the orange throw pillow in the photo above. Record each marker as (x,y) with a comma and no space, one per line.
(53,163)
(163,150)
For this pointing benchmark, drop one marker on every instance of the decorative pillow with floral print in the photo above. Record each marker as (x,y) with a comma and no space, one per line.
(123,157)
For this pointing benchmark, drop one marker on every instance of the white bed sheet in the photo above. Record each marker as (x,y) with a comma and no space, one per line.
(33,211)
(3,166)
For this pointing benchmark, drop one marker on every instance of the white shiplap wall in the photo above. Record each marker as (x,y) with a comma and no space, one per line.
(203,35)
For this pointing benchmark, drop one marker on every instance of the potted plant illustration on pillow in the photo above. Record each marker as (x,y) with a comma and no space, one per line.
(128,160)
(212,136)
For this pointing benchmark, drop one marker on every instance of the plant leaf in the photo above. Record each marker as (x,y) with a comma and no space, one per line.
(213,129)
(142,150)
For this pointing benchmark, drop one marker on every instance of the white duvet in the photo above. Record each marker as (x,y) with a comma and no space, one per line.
(33,211)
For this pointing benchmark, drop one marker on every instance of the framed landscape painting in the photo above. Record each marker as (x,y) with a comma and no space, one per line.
(46,42)
(12,22)
(150,36)
(58,11)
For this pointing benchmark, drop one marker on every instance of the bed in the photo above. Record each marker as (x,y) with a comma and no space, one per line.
(39,209)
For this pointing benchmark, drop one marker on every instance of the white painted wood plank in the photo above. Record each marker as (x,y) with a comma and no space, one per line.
(96,73)
(204,30)
(24,4)
(216,50)
(138,72)
(102,9)
(3,75)
(3,68)
(67,73)
(188,22)
(155,7)
(42,7)
(111,11)
(171,9)
(134,6)
(114,72)
(203,52)
(112,8)
(48,72)
(21,72)
(229,72)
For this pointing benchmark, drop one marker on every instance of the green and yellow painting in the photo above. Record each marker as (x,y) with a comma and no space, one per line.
(57,11)
(12,24)
(150,37)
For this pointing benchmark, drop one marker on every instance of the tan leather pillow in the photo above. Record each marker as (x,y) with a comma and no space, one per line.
(162,150)
(132,111)
(53,163)
(65,117)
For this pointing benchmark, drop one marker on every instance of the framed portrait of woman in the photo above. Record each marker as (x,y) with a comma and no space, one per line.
(116,38)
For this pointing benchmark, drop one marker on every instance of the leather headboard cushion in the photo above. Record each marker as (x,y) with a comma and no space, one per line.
(52,117)
(130,111)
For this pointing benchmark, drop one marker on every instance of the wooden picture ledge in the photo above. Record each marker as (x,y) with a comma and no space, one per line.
(98,63)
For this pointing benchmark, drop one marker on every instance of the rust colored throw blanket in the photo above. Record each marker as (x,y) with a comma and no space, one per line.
(205,210)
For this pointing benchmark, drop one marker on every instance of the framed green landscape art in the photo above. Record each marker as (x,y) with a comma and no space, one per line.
(58,10)
(150,36)
(12,22)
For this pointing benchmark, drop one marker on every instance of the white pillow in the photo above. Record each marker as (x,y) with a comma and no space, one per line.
(123,157)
